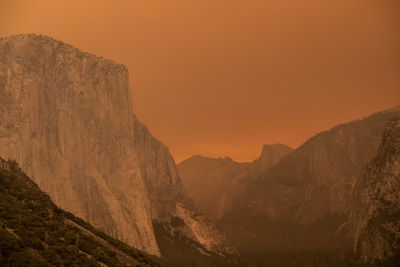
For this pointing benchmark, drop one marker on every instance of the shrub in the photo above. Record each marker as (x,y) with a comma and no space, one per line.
(177,222)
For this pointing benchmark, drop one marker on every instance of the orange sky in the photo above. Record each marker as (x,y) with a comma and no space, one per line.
(222,77)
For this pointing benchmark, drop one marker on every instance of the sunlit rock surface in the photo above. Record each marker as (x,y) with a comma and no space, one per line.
(66,117)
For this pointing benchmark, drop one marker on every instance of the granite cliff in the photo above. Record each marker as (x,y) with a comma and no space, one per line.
(303,202)
(376,215)
(66,117)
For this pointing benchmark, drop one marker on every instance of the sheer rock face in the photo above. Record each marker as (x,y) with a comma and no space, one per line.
(214,184)
(167,194)
(66,117)
(159,173)
(305,198)
(376,216)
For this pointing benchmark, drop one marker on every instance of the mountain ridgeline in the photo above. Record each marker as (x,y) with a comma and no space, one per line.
(66,118)
(316,204)
(214,184)
(305,200)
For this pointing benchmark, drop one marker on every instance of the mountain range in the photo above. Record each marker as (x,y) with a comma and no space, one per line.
(214,184)
(76,150)
(303,200)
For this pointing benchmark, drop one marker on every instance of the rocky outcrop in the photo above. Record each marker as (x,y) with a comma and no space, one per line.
(214,184)
(376,216)
(304,200)
(169,200)
(66,117)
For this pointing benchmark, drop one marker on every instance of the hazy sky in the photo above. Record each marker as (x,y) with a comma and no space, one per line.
(223,77)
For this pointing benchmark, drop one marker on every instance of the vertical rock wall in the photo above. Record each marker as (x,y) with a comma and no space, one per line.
(167,194)
(66,117)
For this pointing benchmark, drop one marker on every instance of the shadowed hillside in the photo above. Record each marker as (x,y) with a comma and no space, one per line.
(35,232)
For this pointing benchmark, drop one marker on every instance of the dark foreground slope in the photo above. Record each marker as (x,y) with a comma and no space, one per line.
(376,215)
(35,232)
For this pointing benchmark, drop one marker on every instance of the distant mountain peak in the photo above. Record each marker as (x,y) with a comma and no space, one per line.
(267,149)
(214,183)
(270,155)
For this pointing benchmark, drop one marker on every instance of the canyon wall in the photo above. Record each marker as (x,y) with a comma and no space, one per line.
(376,215)
(168,198)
